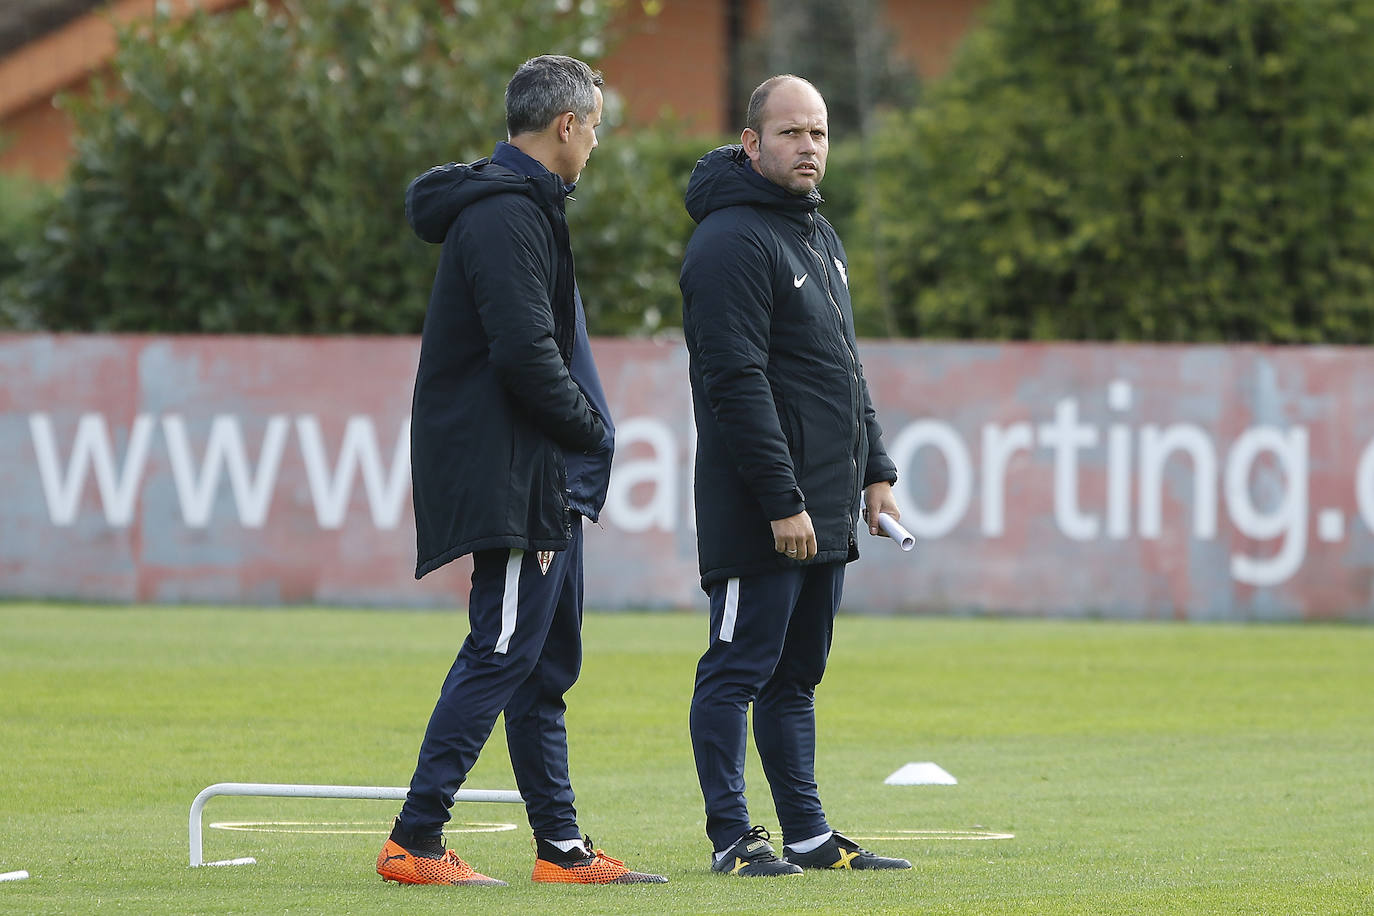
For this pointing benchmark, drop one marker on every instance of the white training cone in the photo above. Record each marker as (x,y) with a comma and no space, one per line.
(921,774)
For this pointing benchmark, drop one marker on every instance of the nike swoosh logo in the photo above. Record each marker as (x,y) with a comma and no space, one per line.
(798,281)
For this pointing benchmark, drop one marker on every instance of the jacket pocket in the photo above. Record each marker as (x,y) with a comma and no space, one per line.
(791,422)
(538,481)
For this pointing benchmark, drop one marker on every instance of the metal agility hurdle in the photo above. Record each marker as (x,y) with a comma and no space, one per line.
(292,790)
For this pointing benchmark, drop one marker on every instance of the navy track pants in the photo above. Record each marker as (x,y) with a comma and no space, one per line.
(770,638)
(522,654)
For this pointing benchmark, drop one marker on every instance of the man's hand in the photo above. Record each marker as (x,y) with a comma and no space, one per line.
(878,498)
(794,537)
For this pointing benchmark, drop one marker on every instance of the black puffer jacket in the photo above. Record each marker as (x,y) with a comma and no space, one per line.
(509,429)
(784,420)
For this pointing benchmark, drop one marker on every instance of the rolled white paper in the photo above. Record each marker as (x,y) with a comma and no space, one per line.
(895,531)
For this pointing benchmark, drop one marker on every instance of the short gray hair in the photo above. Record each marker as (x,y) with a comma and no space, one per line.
(546,86)
(753,116)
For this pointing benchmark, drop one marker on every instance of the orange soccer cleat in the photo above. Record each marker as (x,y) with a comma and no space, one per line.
(584,865)
(426,862)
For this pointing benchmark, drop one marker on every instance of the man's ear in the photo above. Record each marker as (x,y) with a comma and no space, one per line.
(565,125)
(749,138)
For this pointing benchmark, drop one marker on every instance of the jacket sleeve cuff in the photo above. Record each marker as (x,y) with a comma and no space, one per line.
(879,470)
(784,505)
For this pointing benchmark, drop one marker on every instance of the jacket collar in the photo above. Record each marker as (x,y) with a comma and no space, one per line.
(724,178)
(520,162)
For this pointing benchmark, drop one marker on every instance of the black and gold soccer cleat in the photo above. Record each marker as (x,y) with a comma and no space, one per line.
(841,852)
(752,857)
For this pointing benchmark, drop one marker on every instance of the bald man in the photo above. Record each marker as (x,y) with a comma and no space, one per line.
(787,439)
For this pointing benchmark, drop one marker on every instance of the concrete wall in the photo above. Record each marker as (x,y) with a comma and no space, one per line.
(1126,481)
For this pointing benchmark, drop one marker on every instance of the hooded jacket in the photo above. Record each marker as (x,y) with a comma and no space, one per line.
(784,419)
(510,435)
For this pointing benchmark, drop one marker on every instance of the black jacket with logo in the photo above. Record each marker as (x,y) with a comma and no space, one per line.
(510,434)
(784,420)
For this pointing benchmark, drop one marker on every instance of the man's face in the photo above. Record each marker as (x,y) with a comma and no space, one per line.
(792,144)
(581,142)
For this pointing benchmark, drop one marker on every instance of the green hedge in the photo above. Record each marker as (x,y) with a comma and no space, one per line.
(247,173)
(1195,170)
(629,228)
(23,203)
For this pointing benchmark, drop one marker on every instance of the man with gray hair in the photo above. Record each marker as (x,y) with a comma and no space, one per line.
(511,445)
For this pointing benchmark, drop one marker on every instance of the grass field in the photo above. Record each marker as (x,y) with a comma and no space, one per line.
(1142,768)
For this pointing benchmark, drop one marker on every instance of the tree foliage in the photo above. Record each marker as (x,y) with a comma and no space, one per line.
(22,204)
(629,229)
(1111,169)
(246,172)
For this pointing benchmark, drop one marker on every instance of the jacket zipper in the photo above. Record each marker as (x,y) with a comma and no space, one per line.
(855,401)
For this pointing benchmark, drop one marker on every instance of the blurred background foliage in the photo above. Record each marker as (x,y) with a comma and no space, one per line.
(23,206)
(1170,170)
(1181,170)
(245,173)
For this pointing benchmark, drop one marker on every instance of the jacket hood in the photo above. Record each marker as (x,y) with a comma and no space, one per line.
(435,198)
(724,178)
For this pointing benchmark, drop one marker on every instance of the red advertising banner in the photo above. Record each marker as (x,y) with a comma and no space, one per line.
(1228,483)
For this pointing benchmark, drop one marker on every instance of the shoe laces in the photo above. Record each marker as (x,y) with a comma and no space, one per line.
(599,853)
(758,832)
